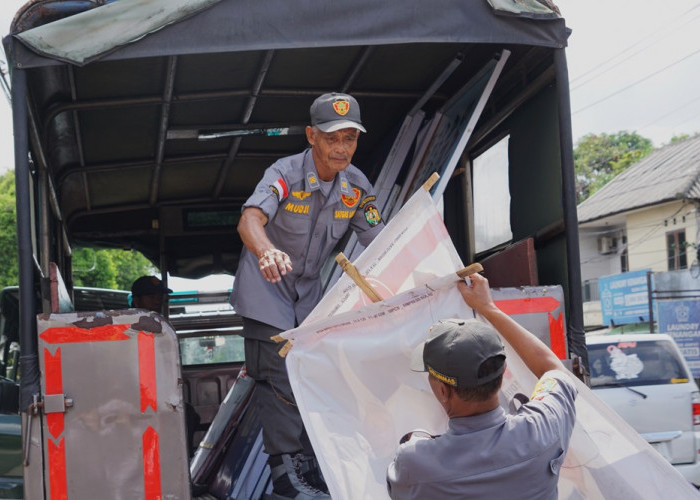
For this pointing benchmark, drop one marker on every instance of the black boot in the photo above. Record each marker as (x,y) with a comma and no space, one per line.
(288,480)
(313,475)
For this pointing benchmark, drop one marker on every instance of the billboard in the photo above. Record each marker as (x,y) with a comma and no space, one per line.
(624,298)
(680,318)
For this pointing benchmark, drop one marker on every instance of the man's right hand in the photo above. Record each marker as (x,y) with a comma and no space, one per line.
(274,264)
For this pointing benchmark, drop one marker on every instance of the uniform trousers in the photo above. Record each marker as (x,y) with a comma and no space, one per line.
(283,429)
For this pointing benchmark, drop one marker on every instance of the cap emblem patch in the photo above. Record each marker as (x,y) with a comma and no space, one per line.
(341,107)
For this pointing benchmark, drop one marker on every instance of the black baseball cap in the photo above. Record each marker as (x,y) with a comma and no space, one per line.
(455,349)
(149,285)
(336,111)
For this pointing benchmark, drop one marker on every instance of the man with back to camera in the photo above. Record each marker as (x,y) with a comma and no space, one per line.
(486,453)
(290,224)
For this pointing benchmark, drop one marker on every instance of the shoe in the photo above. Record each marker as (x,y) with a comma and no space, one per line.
(312,473)
(288,479)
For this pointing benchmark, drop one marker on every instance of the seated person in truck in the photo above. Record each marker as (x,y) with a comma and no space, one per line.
(486,453)
(148,292)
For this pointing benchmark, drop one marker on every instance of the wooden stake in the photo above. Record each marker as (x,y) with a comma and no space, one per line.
(355,275)
(431,181)
(470,269)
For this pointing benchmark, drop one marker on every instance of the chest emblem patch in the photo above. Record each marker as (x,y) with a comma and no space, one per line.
(301,195)
(351,200)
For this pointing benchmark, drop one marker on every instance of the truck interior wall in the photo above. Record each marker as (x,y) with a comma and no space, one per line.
(455,218)
(535,182)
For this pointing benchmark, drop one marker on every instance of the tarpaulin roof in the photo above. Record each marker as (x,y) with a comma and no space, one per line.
(150,78)
(272,24)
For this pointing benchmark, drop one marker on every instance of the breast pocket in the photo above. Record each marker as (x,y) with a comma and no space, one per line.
(289,232)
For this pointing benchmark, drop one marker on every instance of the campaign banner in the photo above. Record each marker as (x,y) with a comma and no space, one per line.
(624,298)
(680,318)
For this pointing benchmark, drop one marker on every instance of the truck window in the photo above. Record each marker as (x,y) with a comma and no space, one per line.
(491,197)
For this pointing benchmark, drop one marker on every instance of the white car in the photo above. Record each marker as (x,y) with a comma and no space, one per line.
(644,378)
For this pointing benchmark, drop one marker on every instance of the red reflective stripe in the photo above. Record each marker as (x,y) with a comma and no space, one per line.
(557,341)
(151,465)
(147,371)
(529,305)
(54,385)
(67,334)
(58,489)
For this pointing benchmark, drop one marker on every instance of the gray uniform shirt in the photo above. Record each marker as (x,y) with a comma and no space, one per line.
(306,225)
(493,455)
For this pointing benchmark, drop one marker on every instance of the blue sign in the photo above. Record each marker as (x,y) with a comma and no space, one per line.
(624,298)
(680,318)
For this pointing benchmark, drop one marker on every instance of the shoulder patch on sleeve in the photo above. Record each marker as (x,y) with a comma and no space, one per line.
(544,386)
(372,215)
(279,187)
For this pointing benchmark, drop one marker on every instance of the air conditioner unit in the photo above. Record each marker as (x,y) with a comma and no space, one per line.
(607,245)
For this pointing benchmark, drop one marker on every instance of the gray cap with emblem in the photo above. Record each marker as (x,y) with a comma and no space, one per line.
(336,111)
(454,351)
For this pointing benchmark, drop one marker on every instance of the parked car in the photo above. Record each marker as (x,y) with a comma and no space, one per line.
(645,379)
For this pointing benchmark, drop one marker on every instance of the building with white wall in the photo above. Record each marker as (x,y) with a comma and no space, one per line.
(645,218)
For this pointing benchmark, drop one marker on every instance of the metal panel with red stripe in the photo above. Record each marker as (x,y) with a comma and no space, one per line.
(540,309)
(114,423)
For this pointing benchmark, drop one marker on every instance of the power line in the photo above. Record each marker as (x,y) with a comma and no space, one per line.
(636,82)
(674,110)
(641,45)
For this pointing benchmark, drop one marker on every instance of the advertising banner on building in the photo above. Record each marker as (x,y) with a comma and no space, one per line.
(624,298)
(680,318)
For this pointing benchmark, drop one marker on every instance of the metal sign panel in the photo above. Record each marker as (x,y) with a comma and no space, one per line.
(112,393)
(680,318)
(624,298)
(540,309)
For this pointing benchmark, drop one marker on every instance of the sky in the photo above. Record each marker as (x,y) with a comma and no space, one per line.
(633,65)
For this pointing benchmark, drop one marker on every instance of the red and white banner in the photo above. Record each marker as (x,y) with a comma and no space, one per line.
(349,369)
(413,248)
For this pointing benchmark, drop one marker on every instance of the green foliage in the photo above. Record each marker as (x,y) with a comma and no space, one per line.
(679,138)
(600,157)
(8,231)
(109,268)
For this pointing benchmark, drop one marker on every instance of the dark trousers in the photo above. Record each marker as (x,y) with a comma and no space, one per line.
(283,429)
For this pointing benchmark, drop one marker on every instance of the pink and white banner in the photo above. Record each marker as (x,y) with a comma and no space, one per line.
(349,369)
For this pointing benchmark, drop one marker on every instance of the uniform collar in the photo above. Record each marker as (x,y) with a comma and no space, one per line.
(312,180)
(465,425)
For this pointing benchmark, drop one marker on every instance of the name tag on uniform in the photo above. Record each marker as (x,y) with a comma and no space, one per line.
(297,208)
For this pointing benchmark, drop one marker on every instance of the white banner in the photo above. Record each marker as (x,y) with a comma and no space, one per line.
(414,248)
(351,379)
(349,369)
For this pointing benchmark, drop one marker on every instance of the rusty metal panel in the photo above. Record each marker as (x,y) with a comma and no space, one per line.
(114,424)
(540,309)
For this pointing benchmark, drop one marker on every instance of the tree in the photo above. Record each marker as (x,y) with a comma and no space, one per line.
(600,157)
(104,268)
(109,268)
(8,232)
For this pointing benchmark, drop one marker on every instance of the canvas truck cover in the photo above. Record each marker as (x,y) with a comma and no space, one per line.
(227,25)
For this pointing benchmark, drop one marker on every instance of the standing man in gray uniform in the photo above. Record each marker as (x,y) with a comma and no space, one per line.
(485,452)
(299,210)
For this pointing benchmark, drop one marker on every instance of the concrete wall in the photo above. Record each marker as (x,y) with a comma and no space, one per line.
(593,264)
(647,229)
